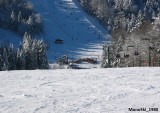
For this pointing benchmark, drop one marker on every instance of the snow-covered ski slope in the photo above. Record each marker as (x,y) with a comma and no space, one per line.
(9,36)
(64,19)
(80,91)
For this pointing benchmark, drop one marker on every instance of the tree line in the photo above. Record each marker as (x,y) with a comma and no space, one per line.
(115,14)
(30,55)
(20,17)
(134,28)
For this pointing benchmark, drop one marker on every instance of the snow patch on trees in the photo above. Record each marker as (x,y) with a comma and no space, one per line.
(31,54)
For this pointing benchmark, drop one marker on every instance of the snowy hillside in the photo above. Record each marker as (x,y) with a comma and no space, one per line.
(63,19)
(79,91)
(6,35)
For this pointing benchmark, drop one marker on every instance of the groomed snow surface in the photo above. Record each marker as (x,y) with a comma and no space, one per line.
(83,36)
(79,91)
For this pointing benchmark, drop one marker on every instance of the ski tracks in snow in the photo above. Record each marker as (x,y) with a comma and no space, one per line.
(83,35)
(79,91)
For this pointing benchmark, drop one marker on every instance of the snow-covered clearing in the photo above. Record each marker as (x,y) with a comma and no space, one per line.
(9,36)
(79,91)
(83,35)
(64,19)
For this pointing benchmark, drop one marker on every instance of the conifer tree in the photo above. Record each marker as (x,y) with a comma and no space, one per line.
(11,57)
(19,16)
(30,25)
(35,53)
(42,57)
(5,60)
(21,63)
(27,49)
(1,62)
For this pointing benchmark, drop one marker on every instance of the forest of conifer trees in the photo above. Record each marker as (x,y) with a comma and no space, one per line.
(20,17)
(30,55)
(134,27)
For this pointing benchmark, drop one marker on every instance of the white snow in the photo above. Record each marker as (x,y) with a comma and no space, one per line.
(64,19)
(79,91)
